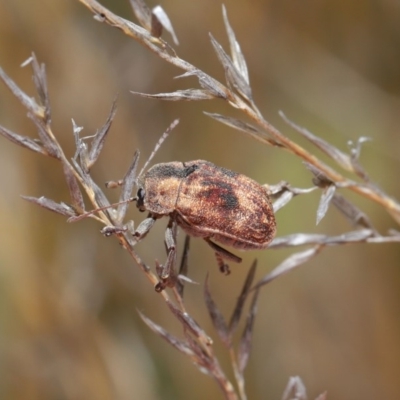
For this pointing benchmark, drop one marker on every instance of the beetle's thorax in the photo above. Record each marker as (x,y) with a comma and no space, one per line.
(161,184)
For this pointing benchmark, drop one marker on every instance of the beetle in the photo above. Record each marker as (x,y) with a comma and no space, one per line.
(206,201)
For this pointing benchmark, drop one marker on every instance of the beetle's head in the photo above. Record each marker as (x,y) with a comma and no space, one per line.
(140,199)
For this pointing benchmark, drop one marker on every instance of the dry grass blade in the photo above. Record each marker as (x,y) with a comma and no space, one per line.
(237,312)
(156,26)
(128,184)
(392,238)
(202,359)
(360,171)
(297,239)
(244,127)
(351,212)
(350,237)
(282,200)
(100,137)
(172,340)
(236,52)
(92,189)
(341,158)
(293,261)
(283,193)
(234,123)
(23,141)
(187,95)
(59,208)
(208,83)
(46,137)
(295,389)
(297,191)
(40,81)
(216,316)
(355,148)
(184,266)
(165,22)
(28,102)
(40,114)
(371,191)
(211,85)
(189,324)
(142,13)
(324,202)
(355,151)
(81,152)
(208,364)
(278,188)
(102,14)
(233,77)
(302,239)
(245,341)
(319,179)
(73,187)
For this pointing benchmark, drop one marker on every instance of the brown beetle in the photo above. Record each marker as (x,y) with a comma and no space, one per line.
(209,202)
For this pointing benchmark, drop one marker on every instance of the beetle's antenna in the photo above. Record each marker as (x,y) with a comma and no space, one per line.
(88,213)
(158,145)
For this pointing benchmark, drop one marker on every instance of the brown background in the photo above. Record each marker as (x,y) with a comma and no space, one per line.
(69,297)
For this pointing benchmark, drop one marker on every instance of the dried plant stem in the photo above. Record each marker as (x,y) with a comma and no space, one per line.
(227,388)
(163,50)
(238,376)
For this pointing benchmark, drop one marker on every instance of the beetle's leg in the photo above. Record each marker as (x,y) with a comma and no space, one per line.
(223,266)
(220,254)
(143,229)
(166,272)
(223,252)
(171,250)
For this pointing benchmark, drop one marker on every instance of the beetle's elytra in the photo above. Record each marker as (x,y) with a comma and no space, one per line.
(210,202)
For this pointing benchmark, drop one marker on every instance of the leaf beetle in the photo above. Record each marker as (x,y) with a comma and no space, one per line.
(206,201)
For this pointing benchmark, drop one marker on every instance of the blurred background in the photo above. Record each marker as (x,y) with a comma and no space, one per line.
(69,297)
